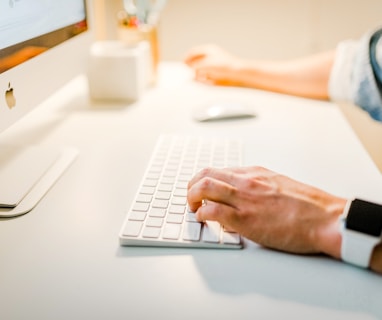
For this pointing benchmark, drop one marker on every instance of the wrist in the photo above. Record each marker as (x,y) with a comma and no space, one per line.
(329,235)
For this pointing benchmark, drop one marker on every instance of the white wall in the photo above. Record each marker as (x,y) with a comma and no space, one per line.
(256,28)
(263,29)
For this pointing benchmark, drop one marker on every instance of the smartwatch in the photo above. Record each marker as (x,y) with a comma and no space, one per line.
(361,231)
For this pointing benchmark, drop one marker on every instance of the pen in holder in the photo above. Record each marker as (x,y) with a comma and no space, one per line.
(131,31)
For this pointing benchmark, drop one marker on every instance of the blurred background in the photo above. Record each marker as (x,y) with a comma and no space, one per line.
(269,29)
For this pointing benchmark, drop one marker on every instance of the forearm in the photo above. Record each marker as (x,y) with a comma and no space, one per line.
(306,77)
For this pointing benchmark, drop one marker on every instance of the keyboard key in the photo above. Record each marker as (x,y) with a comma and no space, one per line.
(229,237)
(185,177)
(154,222)
(151,232)
(144,198)
(171,167)
(137,215)
(153,175)
(157,203)
(167,180)
(163,195)
(165,187)
(180,193)
(177,209)
(157,212)
(179,200)
(150,183)
(140,206)
(190,216)
(211,231)
(171,231)
(147,190)
(133,228)
(174,218)
(187,171)
(155,169)
(182,185)
(170,173)
(192,231)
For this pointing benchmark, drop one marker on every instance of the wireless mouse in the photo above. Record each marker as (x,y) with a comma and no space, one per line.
(223,111)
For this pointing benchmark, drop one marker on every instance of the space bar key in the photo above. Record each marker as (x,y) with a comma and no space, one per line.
(211,232)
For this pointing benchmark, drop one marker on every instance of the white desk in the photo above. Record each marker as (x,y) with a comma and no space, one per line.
(63,260)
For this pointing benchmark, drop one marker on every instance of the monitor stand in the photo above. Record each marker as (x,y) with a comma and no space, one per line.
(26,175)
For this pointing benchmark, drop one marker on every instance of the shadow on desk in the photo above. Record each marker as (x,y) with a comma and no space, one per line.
(318,281)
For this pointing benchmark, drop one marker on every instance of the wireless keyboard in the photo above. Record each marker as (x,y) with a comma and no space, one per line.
(159,214)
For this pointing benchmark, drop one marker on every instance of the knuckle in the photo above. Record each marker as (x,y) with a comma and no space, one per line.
(250,184)
(205,184)
(205,171)
(232,192)
(259,169)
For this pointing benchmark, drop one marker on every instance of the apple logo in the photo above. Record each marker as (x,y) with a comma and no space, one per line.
(9,97)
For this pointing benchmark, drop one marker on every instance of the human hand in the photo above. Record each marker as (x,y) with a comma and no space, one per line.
(269,209)
(213,65)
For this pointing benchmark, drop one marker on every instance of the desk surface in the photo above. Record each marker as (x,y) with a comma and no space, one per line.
(63,260)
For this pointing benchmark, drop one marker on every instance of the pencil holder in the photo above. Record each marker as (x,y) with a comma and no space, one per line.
(118,71)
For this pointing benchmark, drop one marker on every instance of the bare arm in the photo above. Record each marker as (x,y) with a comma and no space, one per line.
(306,77)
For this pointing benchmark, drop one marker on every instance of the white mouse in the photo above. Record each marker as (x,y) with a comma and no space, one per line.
(223,111)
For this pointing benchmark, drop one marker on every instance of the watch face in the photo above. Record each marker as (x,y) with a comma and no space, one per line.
(365,217)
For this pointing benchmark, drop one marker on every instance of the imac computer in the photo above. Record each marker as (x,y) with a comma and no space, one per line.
(43,45)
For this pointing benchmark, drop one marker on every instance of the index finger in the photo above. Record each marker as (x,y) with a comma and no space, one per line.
(226,175)
(209,188)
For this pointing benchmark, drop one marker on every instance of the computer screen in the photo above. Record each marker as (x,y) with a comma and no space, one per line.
(38,51)
(43,45)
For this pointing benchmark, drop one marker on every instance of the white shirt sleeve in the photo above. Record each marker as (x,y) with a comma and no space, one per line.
(340,77)
(355,77)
